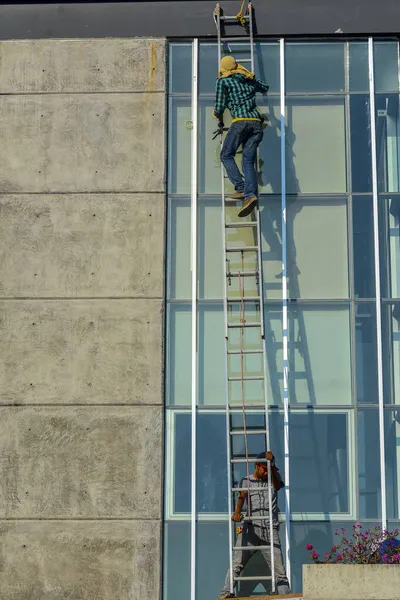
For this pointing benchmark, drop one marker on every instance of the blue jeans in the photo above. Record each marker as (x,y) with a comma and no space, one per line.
(248,134)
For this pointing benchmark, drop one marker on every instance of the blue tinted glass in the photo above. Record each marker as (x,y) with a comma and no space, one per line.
(391,352)
(387,142)
(315,67)
(359,73)
(208,68)
(369,481)
(366,353)
(319,451)
(360,143)
(392,463)
(363,247)
(176,580)
(180,68)
(389,233)
(386,63)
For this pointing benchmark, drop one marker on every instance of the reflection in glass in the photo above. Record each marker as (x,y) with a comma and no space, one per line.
(386,62)
(319,355)
(360,143)
(178,368)
(363,247)
(319,451)
(387,142)
(389,231)
(179,150)
(315,67)
(317,253)
(180,68)
(366,353)
(211,355)
(359,71)
(391,352)
(316,145)
(392,463)
(369,480)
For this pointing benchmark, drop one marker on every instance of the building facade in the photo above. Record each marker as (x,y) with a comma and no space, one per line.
(113,431)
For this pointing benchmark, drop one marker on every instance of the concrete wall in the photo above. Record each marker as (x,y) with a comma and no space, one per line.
(82,213)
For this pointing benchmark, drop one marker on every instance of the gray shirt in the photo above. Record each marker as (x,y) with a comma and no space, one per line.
(259,501)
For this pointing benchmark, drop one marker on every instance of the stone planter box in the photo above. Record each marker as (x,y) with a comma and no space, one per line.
(351,582)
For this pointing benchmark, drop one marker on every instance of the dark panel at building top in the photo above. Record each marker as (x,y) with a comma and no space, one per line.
(190,18)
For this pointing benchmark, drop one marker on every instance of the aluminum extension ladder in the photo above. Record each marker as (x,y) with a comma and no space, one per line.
(242,266)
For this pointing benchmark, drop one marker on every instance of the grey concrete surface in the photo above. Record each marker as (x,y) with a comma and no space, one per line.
(81,352)
(86,245)
(82,143)
(80,560)
(74,462)
(103,65)
(351,582)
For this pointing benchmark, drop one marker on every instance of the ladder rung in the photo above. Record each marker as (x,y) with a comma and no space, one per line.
(252,548)
(244,60)
(238,38)
(250,459)
(236,352)
(229,18)
(241,432)
(262,518)
(247,378)
(239,224)
(249,273)
(242,249)
(245,298)
(247,406)
(243,325)
(261,578)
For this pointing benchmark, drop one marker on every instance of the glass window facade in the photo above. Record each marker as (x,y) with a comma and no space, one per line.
(342,207)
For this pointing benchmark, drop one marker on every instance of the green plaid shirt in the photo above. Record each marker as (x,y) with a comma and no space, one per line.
(238,94)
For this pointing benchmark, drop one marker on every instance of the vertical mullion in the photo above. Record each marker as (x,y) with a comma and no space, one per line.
(377,277)
(284,307)
(195,52)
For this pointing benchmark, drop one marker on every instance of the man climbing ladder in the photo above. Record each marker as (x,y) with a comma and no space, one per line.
(236,90)
(255,531)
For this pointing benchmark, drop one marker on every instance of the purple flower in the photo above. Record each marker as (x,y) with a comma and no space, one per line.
(309,547)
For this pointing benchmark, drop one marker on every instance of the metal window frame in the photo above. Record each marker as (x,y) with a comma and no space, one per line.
(193,264)
(378,300)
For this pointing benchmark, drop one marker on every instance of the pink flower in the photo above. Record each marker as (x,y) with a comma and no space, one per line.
(339,557)
(309,547)
(334,548)
(314,555)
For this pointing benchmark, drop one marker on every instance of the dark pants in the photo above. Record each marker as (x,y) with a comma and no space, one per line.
(248,134)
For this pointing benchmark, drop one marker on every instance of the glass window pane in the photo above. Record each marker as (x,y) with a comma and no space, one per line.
(319,355)
(179,339)
(391,352)
(369,480)
(392,463)
(210,273)
(211,355)
(179,275)
(269,155)
(271,246)
(389,231)
(359,71)
(315,67)
(386,63)
(320,535)
(366,353)
(316,145)
(179,154)
(360,143)
(363,247)
(208,67)
(176,575)
(317,253)
(209,163)
(267,64)
(320,453)
(387,142)
(180,68)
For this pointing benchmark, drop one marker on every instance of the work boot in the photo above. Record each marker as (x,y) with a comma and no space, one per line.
(236,195)
(248,206)
(226,595)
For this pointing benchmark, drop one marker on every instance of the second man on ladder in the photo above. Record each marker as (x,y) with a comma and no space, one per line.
(236,90)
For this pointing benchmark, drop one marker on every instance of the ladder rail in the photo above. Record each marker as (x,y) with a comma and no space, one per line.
(228,327)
